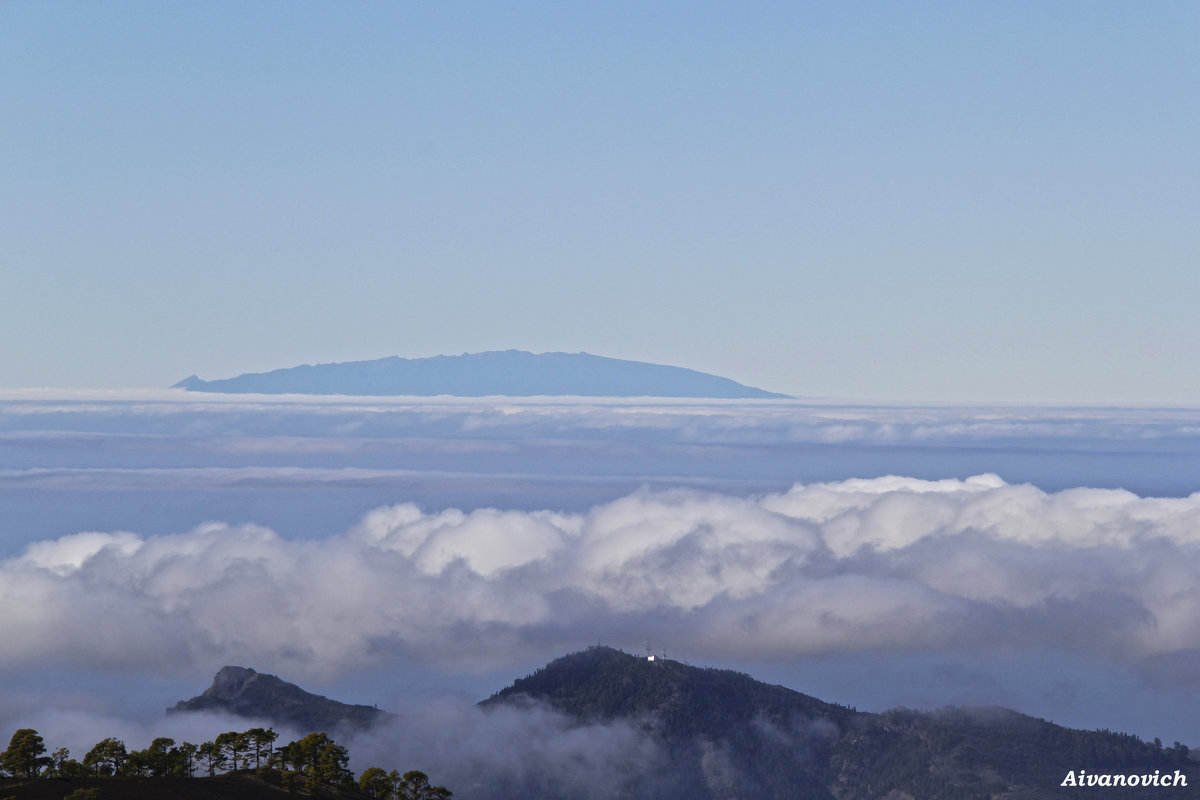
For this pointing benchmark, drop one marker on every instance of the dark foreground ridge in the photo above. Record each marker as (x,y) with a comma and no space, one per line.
(513,373)
(685,732)
(247,765)
(723,734)
(246,693)
(245,786)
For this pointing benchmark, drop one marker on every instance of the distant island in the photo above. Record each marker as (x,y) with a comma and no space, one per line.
(513,373)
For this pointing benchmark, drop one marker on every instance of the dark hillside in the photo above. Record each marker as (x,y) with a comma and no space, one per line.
(992,752)
(730,736)
(723,730)
(222,787)
(698,733)
(604,683)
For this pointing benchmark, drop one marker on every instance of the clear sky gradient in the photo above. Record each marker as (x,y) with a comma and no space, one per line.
(917,201)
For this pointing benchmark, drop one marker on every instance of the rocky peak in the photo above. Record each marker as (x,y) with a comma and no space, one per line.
(230,681)
(246,693)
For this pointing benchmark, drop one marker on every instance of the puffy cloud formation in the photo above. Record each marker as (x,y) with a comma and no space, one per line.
(883,565)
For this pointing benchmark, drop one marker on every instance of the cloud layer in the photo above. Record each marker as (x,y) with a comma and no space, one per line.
(858,566)
(299,424)
(163,462)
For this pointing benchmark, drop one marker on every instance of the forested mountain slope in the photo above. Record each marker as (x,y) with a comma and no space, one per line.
(729,736)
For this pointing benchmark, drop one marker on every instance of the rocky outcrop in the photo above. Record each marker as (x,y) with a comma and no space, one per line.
(246,693)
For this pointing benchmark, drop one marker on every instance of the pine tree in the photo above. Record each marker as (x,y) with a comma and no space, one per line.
(108,757)
(25,756)
(377,783)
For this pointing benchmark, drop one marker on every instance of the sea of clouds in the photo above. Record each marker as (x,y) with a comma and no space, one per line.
(771,537)
(869,565)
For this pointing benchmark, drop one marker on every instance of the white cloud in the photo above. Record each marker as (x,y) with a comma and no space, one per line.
(893,564)
(68,554)
(473,750)
(487,540)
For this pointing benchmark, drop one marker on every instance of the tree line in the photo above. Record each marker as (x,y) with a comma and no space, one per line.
(313,760)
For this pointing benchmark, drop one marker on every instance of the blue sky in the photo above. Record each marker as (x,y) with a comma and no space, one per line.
(922,201)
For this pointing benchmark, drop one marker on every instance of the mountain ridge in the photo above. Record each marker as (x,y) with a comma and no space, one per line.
(728,735)
(717,734)
(513,373)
